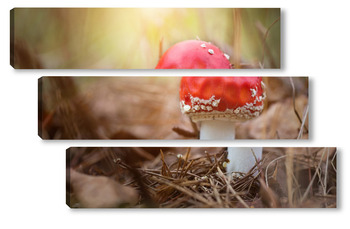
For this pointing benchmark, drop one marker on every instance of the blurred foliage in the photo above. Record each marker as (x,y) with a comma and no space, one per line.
(118,38)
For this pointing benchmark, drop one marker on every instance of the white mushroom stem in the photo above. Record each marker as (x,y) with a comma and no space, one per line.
(242,159)
(217,130)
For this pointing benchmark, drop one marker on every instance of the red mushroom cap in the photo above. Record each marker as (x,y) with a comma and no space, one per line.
(222,98)
(193,54)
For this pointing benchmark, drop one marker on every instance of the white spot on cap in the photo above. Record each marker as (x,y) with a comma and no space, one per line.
(227,56)
(203,45)
(187,108)
(210,51)
(215,103)
(253,92)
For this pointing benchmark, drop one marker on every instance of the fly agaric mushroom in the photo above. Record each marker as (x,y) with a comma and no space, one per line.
(219,102)
(193,54)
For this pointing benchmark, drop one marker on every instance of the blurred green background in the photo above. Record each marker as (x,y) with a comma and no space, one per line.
(133,38)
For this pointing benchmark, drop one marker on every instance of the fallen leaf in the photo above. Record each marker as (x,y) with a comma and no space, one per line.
(100,191)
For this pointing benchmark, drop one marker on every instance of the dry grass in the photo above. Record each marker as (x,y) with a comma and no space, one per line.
(199,182)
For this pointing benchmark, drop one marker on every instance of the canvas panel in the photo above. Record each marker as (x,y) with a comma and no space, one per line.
(136,38)
(180,177)
(150,108)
